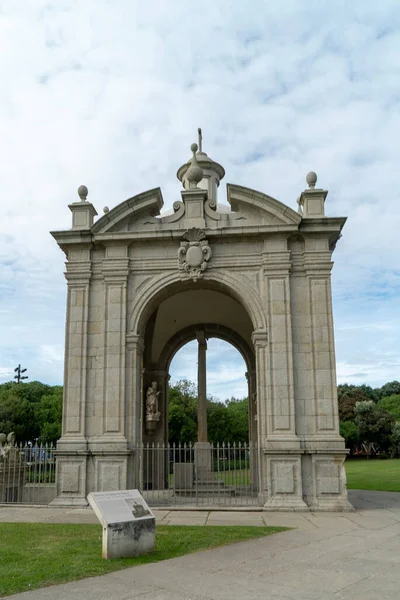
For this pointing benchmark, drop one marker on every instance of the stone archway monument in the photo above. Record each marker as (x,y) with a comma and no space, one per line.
(142,284)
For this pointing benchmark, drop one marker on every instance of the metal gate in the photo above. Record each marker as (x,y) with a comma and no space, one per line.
(174,475)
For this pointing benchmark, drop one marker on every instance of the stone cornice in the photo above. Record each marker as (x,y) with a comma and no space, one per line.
(322,225)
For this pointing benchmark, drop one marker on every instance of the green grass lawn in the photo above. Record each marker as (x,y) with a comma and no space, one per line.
(35,555)
(375,474)
(362,474)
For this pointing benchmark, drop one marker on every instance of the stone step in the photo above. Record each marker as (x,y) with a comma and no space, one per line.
(206,491)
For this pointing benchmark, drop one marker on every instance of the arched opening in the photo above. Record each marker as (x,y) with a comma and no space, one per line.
(227,394)
(197,315)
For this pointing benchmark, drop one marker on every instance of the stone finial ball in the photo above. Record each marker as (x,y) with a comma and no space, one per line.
(194,147)
(82,192)
(311,179)
(105,209)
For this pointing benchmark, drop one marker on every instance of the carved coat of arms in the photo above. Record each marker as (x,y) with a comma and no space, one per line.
(194,253)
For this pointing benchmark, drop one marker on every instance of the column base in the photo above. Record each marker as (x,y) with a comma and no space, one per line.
(62,502)
(324,481)
(284,503)
(203,462)
(283,482)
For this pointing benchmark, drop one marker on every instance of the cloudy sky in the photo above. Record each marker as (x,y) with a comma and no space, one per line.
(110,95)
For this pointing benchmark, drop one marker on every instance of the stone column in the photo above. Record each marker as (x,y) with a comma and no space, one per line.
(203,454)
(202,387)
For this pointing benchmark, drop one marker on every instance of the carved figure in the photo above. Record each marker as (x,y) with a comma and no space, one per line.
(152,400)
(8,450)
(194,253)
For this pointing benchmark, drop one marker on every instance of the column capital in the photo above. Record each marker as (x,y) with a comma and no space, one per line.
(133,341)
(78,272)
(259,337)
(201,337)
(115,269)
(318,267)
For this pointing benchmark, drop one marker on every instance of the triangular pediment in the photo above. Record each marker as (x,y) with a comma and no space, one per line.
(145,205)
(248,204)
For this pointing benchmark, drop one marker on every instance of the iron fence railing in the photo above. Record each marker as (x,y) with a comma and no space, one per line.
(199,474)
(27,474)
(166,474)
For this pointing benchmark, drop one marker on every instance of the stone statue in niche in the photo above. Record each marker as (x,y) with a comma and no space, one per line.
(194,253)
(152,412)
(152,399)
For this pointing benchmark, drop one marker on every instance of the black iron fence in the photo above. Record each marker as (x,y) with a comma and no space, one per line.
(167,475)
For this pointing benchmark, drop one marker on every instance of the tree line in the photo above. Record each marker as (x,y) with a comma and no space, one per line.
(369,417)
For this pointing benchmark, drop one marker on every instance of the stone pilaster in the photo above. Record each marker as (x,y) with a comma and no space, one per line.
(72,447)
(318,267)
(253,423)
(115,272)
(324,478)
(134,394)
(281,414)
(108,468)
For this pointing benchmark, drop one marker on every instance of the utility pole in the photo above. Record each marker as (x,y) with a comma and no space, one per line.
(18,375)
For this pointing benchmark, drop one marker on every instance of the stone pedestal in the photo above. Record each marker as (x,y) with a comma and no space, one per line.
(203,462)
(128,524)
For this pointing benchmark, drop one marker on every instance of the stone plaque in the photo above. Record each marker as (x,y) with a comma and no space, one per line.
(129,526)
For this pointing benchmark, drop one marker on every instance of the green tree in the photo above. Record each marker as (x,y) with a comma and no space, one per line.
(182,413)
(395,440)
(375,426)
(18,404)
(239,419)
(349,431)
(390,388)
(226,422)
(348,396)
(392,405)
(48,414)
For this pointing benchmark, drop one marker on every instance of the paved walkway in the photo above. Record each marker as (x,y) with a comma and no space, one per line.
(342,556)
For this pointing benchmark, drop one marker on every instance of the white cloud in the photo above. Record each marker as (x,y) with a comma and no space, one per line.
(111,94)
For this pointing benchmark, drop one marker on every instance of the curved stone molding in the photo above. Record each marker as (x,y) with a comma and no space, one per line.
(241,198)
(179,211)
(239,287)
(211,330)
